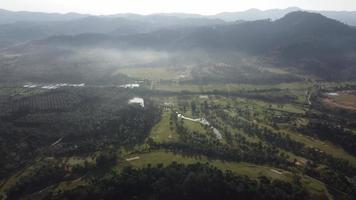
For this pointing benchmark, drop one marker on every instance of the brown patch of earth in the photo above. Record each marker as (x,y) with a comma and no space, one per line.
(331,102)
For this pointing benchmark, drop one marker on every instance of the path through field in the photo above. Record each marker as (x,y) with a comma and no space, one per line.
(204,122)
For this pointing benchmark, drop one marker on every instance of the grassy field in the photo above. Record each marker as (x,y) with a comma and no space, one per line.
(291,108)
(176,87)
(19,90)
(260,106)
(195,126)
(325,146)
(253,171)
(162,132)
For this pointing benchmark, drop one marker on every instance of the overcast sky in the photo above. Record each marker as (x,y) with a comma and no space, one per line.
(157,6)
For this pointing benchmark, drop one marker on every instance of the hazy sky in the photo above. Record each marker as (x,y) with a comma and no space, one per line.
(155,6)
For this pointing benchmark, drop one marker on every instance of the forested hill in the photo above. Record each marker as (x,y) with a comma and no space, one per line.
(304,41)
(254,36)
(300,42)
(177,181)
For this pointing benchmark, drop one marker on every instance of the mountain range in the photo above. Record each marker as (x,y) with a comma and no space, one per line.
(348,17)
(307,41)
(301,42)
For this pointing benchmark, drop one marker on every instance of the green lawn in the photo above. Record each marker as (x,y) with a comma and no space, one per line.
(161,132)
(195,126)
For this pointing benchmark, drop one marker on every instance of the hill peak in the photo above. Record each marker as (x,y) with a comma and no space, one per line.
(302,14)
(311,21)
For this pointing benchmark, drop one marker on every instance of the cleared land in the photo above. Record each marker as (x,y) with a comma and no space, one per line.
(342,100)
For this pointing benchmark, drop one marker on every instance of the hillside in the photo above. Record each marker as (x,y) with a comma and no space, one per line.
(300,42)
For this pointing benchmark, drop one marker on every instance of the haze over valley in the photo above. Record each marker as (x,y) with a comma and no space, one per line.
(255,104)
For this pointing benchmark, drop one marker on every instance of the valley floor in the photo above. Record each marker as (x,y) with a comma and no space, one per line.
(263,131)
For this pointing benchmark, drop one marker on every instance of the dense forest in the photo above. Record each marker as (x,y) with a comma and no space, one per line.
(177,181)
(64,122)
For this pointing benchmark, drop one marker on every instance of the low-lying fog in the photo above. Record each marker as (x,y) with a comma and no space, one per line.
(54,64)
(120,57)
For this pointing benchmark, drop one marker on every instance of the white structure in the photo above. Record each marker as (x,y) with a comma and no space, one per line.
(130,86)
(137,100)
(333,94)
(53,86)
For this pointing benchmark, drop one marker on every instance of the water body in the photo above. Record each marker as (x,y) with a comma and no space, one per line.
(204,122)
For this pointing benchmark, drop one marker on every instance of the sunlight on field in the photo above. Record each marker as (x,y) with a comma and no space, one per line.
(149,73)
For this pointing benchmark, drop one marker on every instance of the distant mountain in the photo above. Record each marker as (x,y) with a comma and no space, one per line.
(302,41)
(255,36)
(24,31)
(348,17)
(255,14)
(8,17)
(20,32)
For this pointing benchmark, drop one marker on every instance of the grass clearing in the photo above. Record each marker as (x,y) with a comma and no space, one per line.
(325,146)
(162,131)
(194,126)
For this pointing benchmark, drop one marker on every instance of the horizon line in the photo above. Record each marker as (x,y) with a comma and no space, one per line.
(162,13)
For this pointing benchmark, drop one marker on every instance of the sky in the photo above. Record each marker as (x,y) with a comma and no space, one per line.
(205,7)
